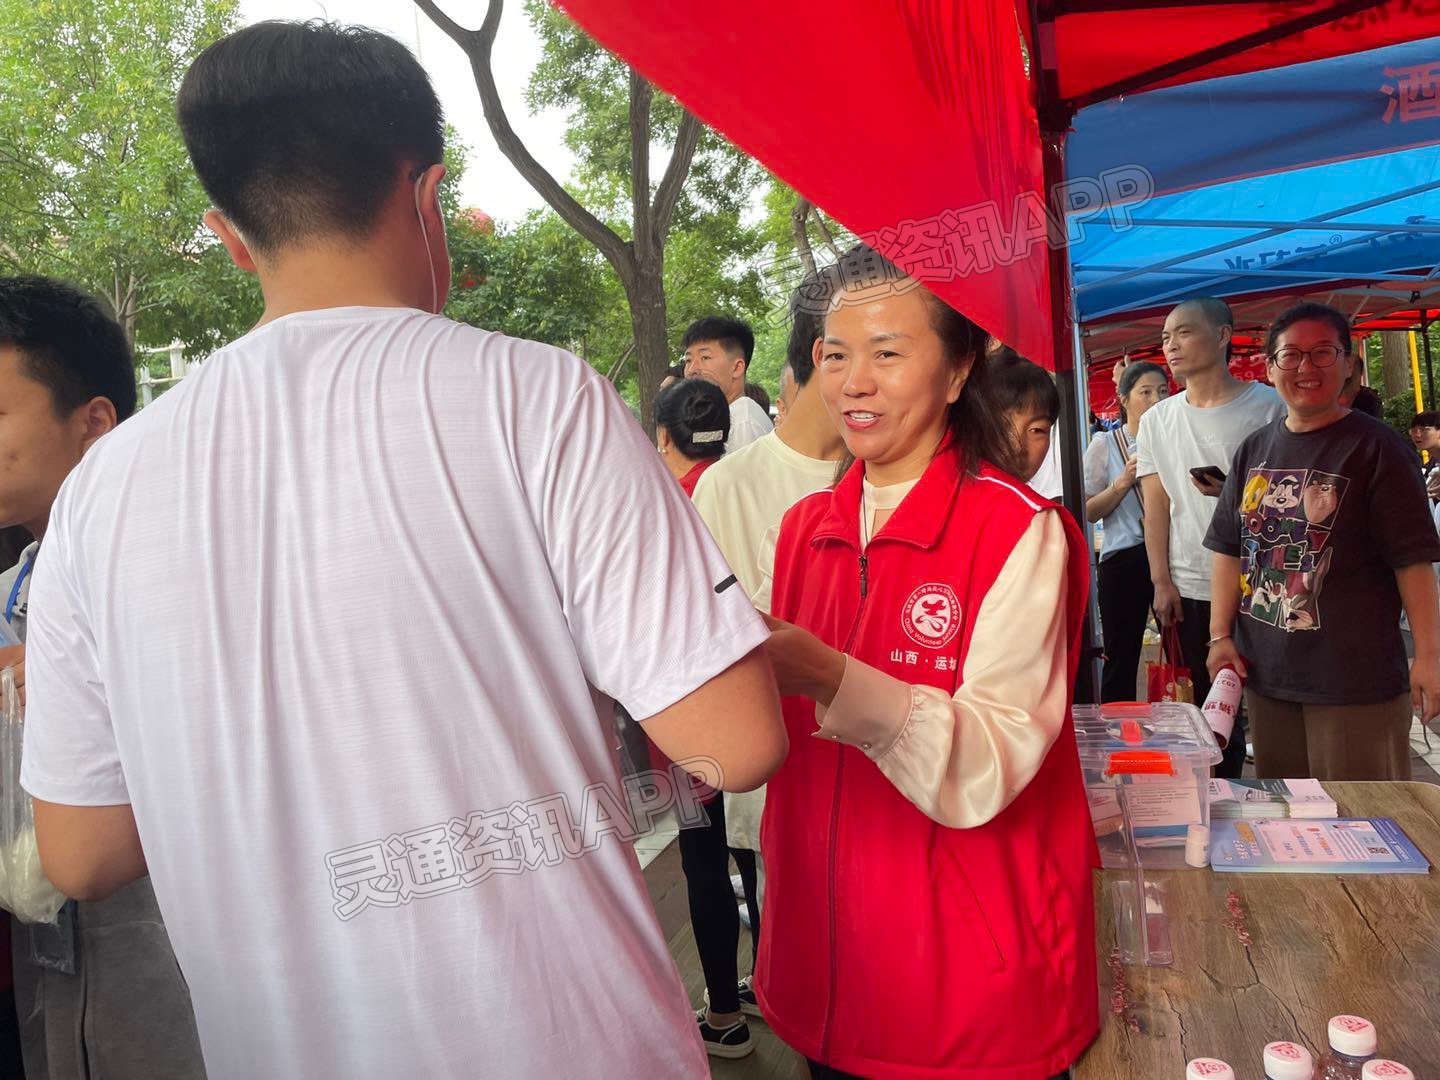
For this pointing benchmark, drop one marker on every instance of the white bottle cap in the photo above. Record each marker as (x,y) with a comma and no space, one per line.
(1208,1069)
(1385,1069)
(1353,1035)
(1288,1061)
(1197,848)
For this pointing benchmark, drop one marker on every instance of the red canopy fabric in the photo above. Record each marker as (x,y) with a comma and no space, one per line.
(913,118)
(1102,48)
(914,122)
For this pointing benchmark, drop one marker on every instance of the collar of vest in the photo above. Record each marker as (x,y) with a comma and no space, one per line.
(919,519)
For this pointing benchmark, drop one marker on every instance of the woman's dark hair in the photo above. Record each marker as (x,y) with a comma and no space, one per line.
(976,423)
(1022,385)
(1132,374)
(697,416)
(1309,311)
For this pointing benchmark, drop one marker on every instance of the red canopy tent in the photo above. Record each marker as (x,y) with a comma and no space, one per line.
(934,127)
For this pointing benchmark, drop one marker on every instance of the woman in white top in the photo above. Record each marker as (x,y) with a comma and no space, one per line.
(1112,494)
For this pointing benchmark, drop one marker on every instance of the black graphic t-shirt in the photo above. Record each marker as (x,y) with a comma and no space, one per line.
(1320,521)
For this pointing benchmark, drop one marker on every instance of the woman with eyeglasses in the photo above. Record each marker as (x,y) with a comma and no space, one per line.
(1322,534)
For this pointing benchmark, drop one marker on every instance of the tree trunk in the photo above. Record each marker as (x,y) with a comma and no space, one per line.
(1395,358)
(652,351)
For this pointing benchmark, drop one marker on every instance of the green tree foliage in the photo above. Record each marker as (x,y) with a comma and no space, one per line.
(95,185)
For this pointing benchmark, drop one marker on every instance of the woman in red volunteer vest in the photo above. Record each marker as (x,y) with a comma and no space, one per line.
(927,843)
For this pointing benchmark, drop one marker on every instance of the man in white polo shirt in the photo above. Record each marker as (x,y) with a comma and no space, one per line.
(352,719)
(719,349)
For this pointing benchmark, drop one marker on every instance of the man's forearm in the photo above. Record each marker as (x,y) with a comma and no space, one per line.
(1224,594)
(1157,529)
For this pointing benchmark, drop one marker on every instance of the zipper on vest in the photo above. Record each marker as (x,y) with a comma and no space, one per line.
(835,833)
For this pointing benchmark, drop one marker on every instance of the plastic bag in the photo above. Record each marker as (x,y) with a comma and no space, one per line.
(24,890)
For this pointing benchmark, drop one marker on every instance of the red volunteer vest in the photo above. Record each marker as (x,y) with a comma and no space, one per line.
(895,946)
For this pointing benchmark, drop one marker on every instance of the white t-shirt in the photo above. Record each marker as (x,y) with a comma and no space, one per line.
(1048,479)
(745,494)
(324,614)
(1176,437)
(741,498)
(748,422)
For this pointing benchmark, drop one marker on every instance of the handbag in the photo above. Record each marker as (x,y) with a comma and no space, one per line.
(1169,678)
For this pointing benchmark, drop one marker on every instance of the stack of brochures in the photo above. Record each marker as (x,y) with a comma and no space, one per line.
(1262,799)
(1338,846)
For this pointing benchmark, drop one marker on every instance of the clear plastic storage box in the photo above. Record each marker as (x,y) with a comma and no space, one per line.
(1146,767)
(1147,776)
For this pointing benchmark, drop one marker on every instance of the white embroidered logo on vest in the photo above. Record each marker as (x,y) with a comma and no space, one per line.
(931,616)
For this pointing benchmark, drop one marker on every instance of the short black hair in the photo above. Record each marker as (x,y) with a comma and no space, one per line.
(697,416)
(1425,419)
(1309,311)
(68,342)
(1022,384)
(734,336)
(302,129)
(807,322)
(1217,313)
(675,371)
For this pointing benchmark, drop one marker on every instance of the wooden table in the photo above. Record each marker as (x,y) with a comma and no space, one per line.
(1318,945)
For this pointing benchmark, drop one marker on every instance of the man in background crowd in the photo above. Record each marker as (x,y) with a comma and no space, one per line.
(719,349)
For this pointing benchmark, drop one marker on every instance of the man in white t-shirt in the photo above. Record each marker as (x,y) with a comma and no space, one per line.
(742,497)
(1199,427)
(719,349)
(322,635)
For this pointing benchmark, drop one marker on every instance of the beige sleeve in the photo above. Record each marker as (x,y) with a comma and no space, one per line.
(766,561)
(962,760)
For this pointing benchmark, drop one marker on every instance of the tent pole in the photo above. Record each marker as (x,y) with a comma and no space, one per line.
(1055,119)
(1425,343)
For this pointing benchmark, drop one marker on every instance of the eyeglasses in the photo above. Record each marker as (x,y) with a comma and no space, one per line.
(1290,358)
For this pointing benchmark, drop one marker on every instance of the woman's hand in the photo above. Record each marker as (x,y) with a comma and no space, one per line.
(804,665)
(1126,480)
(1425,687)
(1224,652)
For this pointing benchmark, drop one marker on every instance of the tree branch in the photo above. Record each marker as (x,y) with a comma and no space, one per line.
(477,46)
(641,95)
(798,214)
(667,195)
(619,365)
(826,236)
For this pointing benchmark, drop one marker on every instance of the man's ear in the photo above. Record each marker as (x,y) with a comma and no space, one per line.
(221,227)
(430,211)
(95,418)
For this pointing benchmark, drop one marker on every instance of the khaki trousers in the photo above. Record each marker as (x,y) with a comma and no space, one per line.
(1330,742)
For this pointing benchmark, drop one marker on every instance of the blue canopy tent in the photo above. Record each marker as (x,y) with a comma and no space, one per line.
(1321,177)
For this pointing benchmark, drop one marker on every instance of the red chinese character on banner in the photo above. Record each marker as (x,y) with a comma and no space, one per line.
(1416,93)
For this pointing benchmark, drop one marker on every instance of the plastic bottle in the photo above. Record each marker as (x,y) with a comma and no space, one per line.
(1223,702)
(1385,1069)
(1208,1069)
(1288,1061)
(1353,1042)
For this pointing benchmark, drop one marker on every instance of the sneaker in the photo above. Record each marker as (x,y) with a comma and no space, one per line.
(731,1042)
(748,1005)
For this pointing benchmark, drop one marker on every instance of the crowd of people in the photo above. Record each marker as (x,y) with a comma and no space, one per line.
(322,650)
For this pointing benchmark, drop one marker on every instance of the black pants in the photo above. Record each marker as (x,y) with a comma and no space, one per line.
(705,859)
(1125,598)
(1194,633)
(824,1072)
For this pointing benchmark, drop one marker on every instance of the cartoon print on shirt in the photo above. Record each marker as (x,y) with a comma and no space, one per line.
(1285,520)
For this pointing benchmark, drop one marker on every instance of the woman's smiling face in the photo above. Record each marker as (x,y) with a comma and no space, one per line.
(887,382)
